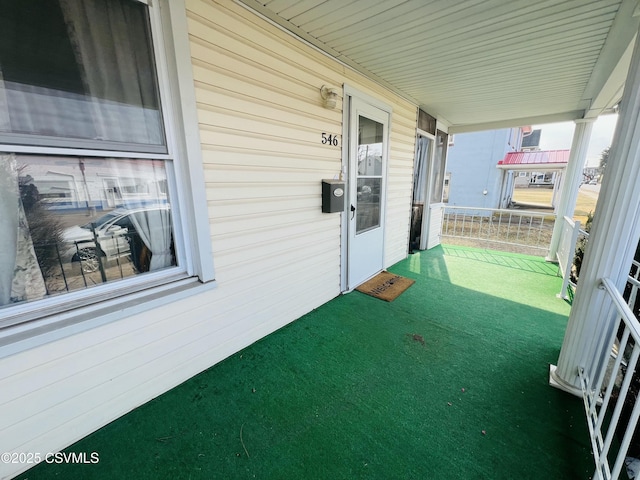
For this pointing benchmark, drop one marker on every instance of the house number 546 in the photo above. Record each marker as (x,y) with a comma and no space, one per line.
(328,139)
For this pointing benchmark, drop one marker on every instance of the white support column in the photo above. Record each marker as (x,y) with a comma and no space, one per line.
(558,186)
(612,241)
(571,181)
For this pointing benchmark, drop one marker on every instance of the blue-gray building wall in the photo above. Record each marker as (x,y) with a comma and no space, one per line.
(472,160)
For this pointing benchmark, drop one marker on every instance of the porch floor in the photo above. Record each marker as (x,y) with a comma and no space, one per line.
(351,391)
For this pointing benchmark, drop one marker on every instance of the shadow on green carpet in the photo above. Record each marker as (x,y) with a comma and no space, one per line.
(449,381)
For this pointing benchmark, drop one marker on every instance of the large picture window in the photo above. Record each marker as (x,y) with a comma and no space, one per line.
(85,168)
(71,225)
(78,73)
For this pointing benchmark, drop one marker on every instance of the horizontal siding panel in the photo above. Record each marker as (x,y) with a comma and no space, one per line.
(266,238)
(272,127)
(263,175)
(256,142)
(402,141)
(238,157)
(116,345)
(273,69)
(293,248)
(400,182)
(238,85)
(262,41)
(222,191)
(213,98)
(306,232)
(256,78)
(396,198)
(249,275)
(265,206)
(401,175)
(274,130)
(403,151)
(279,219)
(401,166)
(59,351)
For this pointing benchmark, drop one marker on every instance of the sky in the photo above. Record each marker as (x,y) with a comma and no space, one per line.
(558,136)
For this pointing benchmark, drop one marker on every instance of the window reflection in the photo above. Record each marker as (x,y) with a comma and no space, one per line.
(369,181)
(71,223)
(368,208)
(369,147)
(439,164)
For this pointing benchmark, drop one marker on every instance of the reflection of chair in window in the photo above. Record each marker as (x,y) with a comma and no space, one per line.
(140,253)
(135,246)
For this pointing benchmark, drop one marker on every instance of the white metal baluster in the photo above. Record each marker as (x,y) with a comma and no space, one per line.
(612,380)
(633,420)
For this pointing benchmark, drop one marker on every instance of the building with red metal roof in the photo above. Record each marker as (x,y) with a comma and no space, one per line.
(542,160)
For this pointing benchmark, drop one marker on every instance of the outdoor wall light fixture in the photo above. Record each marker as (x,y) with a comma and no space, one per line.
(330,96)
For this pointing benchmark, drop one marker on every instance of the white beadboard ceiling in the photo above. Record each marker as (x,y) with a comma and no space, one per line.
(477,64)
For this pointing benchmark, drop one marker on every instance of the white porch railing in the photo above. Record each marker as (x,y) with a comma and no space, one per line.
(610,391)
(567,251)
(516,228)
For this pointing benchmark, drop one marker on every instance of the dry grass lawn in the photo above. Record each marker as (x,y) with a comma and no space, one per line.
(516,231)
(542,196)
(510,232)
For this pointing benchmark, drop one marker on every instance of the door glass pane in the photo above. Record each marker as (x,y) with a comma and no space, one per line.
(369,175)
(79,70)
(439,164)
(423,155)
(369,147)
(368,207)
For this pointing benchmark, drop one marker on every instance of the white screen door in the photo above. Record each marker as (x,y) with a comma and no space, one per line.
(367,183)
(428,189)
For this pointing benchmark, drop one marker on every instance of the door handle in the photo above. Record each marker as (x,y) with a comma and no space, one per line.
(353,211)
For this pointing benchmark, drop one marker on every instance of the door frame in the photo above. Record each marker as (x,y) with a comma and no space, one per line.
(350,92)
(424,224)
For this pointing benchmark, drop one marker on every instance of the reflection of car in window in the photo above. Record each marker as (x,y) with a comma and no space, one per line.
(112,236)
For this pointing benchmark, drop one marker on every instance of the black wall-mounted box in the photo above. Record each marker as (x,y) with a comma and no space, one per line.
(332,196)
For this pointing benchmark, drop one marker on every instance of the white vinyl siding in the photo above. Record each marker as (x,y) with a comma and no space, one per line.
(400,183)
(261,119)
(261,122)
(277,256)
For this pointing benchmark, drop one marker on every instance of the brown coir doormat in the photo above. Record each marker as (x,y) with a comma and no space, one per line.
(386,286)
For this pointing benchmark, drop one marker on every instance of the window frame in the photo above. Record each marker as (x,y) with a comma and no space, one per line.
(185,173)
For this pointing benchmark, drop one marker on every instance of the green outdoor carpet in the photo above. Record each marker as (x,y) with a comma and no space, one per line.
(447,382)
